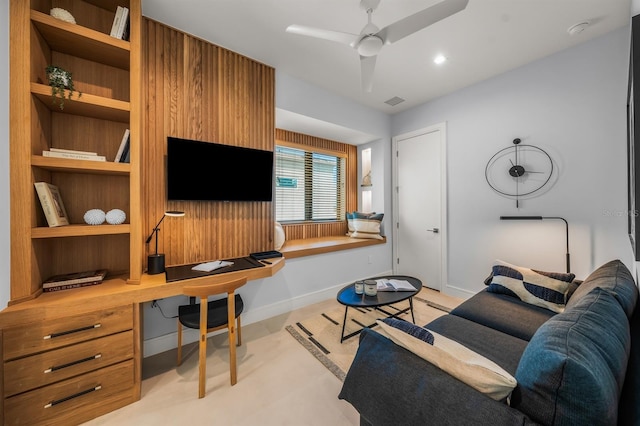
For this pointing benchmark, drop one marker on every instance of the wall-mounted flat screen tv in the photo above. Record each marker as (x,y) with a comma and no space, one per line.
(207,171)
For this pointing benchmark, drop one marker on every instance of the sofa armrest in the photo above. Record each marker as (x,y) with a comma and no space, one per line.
(389,385)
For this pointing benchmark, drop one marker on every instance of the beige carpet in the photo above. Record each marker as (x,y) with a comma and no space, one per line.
(320,334)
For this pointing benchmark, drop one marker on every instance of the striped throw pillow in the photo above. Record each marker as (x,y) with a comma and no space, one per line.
(545,289)
(450,356)
(367,225)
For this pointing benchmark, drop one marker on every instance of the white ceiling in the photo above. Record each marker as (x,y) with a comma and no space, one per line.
(488,38)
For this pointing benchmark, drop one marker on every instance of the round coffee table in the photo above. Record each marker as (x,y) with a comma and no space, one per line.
(348,297)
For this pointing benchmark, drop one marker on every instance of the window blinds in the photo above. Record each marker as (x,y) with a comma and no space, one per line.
(309,186)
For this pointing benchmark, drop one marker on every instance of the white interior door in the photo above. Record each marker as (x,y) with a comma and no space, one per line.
(420,231)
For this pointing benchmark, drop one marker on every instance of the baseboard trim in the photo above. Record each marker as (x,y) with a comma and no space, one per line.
(456,291)
(169,341)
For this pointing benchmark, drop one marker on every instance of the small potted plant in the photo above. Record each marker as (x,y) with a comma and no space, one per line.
(59,80)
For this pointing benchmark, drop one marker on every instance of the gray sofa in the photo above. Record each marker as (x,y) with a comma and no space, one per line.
(578,367)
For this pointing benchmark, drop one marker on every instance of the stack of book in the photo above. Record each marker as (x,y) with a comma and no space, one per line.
(123,151)
(74,280)
(71,153)
(120,26)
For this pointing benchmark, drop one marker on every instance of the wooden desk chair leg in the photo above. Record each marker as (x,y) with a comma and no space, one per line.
(231,310)
(202,360)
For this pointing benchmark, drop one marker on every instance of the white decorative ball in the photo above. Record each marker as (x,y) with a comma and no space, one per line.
(116,217)
(278,237)
(62,14)
(94,217)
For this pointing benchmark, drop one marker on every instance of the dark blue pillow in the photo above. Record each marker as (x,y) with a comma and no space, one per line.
(411,329)
(573,369)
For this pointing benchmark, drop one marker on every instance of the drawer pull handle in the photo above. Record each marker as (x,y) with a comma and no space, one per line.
(69,364)
(67,398)
(64,333)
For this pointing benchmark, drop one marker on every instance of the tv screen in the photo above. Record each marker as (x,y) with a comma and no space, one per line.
(206,171)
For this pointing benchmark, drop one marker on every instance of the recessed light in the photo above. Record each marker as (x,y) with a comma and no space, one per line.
(440,59)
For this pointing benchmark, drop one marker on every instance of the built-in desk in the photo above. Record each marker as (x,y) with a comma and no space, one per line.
(73,355)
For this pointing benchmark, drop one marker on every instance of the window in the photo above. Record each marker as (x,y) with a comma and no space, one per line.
(310,186)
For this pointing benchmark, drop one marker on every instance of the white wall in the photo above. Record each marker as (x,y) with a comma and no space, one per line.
(573,105)
(4,156)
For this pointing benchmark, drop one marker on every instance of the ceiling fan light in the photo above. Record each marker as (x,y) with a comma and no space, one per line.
(369,46)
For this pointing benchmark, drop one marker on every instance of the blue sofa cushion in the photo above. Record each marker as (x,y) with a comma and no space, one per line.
(573,369)
(504,313)
(615,277)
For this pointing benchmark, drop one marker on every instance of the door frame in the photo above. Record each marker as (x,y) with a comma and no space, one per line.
(442,128)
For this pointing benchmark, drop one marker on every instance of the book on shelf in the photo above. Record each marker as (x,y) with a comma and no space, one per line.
(70,286)
(52,205)
(116,22)
(123,144)
(90,157)
(75,278)
(394,285)
(72,151)
(125,32)
(120,23)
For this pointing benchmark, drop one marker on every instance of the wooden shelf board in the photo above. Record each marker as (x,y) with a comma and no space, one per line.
(82,42)
(80,166)
(311,246)
(79,231)
(86,105)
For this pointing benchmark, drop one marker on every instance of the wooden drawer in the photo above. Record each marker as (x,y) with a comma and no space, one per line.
(49,367)
(40,336)
(74,400)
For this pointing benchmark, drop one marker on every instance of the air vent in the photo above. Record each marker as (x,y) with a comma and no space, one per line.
(394,101)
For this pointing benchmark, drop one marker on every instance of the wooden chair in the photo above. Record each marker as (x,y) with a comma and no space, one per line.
(212,316)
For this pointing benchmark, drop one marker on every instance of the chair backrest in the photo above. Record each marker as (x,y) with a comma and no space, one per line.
(217,288)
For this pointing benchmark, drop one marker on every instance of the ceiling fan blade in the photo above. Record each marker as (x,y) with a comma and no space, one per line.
(343,38)
(417,21)
(368,65)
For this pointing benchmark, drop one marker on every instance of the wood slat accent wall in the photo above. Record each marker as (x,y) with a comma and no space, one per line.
(196,90)
(325,229)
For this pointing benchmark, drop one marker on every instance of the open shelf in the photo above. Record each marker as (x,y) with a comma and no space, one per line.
(79,231)
(82,42)
(86,105)
(80,166)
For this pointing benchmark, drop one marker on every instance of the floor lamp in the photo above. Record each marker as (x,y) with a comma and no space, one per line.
(545,218)
(155,262)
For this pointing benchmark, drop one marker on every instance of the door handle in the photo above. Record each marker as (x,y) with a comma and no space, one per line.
(434,230)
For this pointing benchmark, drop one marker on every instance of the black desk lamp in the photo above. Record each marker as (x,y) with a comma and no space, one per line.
(155,262)
(544,218)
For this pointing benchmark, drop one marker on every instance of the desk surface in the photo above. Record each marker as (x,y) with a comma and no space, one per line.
(116,292)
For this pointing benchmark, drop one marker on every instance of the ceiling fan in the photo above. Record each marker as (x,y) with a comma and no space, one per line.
(371,39)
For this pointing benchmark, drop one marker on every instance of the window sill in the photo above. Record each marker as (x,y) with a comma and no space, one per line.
(311,246)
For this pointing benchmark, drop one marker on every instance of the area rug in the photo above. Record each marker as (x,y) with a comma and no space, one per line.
(320,334)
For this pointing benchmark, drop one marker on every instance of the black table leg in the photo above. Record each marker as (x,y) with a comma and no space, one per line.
(344,322)
(413,319)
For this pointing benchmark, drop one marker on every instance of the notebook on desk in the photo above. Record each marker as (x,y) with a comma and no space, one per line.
(183,272)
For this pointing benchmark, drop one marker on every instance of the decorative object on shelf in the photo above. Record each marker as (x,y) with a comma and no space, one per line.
(52,204)
(519,170)
(60,80)
(115,217)
(155,262)
(546,218)
(278,237)
(63,15)
(94,217)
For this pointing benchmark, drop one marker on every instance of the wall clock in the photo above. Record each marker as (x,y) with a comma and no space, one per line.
(519,171)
